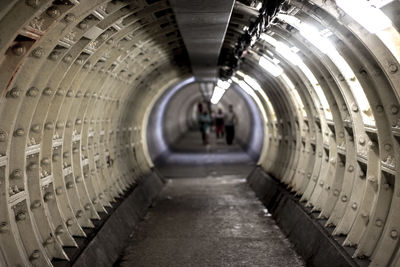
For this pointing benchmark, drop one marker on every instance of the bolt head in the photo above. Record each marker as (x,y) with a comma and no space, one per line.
(394,234)
(21,216)
(53,12)
(18,50)
(37,52)
(35,255)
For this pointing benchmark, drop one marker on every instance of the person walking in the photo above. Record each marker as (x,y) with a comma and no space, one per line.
(204,125)
(219,124)
(230,122)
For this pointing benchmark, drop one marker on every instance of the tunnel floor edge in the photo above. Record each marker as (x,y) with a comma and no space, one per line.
(311,239)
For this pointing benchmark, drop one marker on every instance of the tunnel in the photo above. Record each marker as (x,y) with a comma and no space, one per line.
(102,162)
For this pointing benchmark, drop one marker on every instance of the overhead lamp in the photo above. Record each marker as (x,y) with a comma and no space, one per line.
(224,84)
(273,69)
(217,95)
(368,16)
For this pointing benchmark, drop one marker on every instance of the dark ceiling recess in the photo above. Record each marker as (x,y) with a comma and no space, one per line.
(245,27)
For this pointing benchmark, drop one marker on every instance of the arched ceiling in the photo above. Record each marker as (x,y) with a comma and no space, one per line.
(78,80)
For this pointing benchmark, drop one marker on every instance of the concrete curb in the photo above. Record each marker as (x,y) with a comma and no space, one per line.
(311,240)
(108,240)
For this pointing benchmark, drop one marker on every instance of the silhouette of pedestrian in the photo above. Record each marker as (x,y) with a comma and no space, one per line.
(219,124)
(230,121)
(204,125)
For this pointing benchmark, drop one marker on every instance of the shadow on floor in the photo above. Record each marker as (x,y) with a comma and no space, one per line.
(190,158)
(209,217)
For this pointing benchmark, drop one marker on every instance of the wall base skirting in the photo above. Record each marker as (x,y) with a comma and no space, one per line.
(311,239)
(104,244)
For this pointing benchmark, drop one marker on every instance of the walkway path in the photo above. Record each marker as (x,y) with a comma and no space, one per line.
(211,219)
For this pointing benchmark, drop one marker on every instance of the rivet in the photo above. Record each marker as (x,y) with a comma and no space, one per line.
(320,154)
(78,94)
(78,179)
(14,92)
(70,93)
(16,174)
(49,241)
(18,50)
(59,191)
(68,124)
(379,108)
(21,216)
(37,52)
(67,59)
(394,234)
(35,255)
(48,196)
(336,192)
(69,222)
(79,213)
(59,125)
(309,175)
(47,91)
(371,179)
(344,198)
(3,136)
(69,18)
(101,195)
(394,109)
(60,92)
(59,230)
(54,55)
(56,157)
(35,128)
(341,134)
(53,12)
(33,3)
(354,206)
(95,201)
(354,108)
(361,140)
(36,204)
(19,132)
(66,154)
(350,168)
(3,227)
(48,126)
(78,122)
(70,185)
(110,41)
(45,161)
(378,222)
(388,147)
(83,25)
(372,144)
(393,68)
(104,36)
(88,206)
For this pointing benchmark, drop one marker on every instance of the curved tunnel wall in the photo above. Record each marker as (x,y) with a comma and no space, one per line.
(78,77)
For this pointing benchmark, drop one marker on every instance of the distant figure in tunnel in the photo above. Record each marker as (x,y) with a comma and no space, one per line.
(219,124)
(204,125)
(230,121)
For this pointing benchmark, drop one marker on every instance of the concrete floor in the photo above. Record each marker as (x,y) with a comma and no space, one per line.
(208,218)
